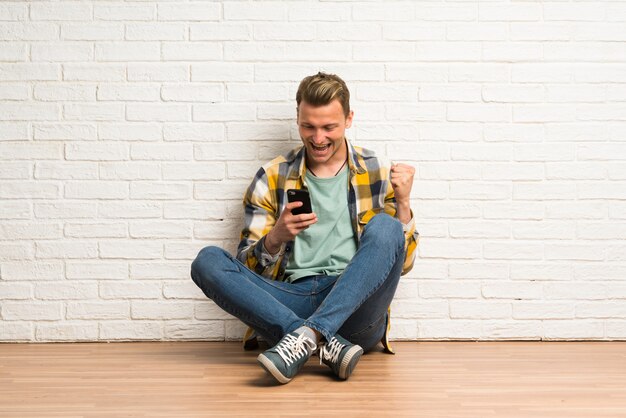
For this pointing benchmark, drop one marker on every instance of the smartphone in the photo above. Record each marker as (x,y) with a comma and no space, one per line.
(300,195)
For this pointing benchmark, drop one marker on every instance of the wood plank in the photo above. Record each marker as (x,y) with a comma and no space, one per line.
(425,379)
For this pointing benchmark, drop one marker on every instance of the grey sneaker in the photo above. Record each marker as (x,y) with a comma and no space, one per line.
(341,356)
(287,357)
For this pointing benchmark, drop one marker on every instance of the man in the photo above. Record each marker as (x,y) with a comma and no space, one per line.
(325,278)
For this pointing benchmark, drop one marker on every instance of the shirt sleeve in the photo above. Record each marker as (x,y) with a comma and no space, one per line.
(411,236)
(260,215)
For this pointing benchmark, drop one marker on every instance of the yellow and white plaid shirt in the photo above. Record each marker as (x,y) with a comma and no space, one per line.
(369,193)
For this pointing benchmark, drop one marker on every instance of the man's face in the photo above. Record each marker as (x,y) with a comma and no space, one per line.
(322,130)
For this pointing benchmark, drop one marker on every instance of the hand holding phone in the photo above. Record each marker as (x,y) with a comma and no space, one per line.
(300,195)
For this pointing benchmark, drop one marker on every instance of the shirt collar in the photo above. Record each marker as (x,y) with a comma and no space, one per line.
(298,166)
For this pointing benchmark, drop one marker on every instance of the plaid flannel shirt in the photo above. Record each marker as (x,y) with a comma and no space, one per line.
(369,193)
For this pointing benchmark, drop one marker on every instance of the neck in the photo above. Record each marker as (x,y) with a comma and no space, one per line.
(331,167)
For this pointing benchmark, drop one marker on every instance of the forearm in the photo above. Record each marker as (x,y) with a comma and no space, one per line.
(403,212)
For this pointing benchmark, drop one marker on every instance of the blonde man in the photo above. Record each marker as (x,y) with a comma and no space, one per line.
(326,278)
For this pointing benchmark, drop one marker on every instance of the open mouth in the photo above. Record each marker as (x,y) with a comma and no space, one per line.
(320,148)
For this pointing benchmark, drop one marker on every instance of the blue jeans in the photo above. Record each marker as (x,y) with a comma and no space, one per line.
(353,304)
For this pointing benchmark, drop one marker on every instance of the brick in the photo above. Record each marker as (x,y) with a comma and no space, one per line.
(16,291)
(513,251)
(96,230)
(65,210)
(125,92)
(129,171)
(92,32)
(18,251)
(20,170)
(64,131)
(155,32)
(391,11)
(283,31)
(513,210)
(64,52)
(438,248)
(129,210)
(29,190)
(198,11)
(483,270)
(258,51)
(98,310)
(543,271)
(542,310)
(182,251)
(26,31)
(449,290)
(573,329)
(517,291)
(193,131)
(241,131)
(66,250)
(160,229)
(153,270)
(218,112)
(101,151)
(196,51)
(479,191)
(16,92)
(215,229)
(158,112)
(66,291)
(29,311)
(222,71)
(135,249)
(29,112)
(479,310)
(13,131)
(443,329)
(219,32)
(135,131)
(405,308)
(130,330)
(162,310)
(16,331)
(94,112)
(209,310)
(187,171)
(512,330)
(102,270)
(162,152)
(159,191)
(94,72)
(377,51)
(258,92)
(25,230)
(158,72)
(265,10)
(60,11)
(205,331)
(32,270)
(481,229)
(66,332)
(130,290)
(192,92)
(127,51)
(182,290)
(448,51)
(115,11)
(543,230)
(609,310)
(13,11)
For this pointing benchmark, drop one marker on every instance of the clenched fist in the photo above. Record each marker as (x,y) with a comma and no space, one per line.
(402,181)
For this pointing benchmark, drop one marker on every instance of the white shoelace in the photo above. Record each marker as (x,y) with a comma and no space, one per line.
(331,350)
(292,348)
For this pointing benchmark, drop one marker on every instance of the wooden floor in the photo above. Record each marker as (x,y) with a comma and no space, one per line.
(424,379)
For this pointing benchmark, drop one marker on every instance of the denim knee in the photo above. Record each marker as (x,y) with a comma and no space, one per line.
(207,259)
(387,229)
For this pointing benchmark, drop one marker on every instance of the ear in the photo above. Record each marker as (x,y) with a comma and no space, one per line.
(349,119)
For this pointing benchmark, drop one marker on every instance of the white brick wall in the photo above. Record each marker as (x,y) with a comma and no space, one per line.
(129,131)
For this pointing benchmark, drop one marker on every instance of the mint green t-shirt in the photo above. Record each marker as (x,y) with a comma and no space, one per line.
(327,246)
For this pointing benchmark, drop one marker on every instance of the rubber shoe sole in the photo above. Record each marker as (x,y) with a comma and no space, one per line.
(269,367)
(349,361)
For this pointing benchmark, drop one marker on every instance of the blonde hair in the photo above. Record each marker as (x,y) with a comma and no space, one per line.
(321,89)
